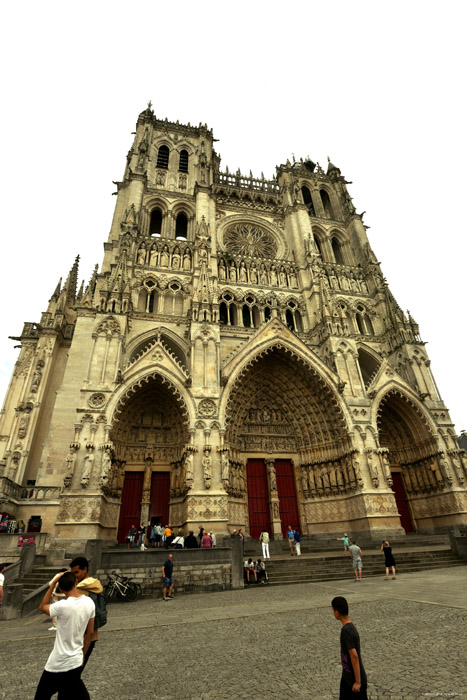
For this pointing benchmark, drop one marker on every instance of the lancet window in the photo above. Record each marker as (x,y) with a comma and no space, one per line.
(163,157)
(183,162)
(181,227)
(155,225)
(306,194)
(326,202)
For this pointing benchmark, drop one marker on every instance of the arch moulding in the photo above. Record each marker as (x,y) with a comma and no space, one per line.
(397,388)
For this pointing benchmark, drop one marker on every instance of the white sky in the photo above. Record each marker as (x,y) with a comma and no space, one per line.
(379,87)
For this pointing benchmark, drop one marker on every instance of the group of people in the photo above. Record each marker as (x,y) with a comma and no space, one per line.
(160,536)
(255,570)
(356,555)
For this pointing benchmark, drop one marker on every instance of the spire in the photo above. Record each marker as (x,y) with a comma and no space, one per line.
(56,293)
(72,282)
(89,293)
(81,292)
(332,167)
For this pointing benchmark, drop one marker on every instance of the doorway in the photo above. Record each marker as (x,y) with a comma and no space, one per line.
(258,497)
(401,501)
(288,508)
(130,510)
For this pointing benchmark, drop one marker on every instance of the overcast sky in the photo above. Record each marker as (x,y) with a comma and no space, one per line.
(379,87)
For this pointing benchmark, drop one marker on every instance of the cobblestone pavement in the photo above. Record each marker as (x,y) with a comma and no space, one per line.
(267,642)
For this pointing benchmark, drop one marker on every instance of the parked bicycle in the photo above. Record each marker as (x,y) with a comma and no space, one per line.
(121,587)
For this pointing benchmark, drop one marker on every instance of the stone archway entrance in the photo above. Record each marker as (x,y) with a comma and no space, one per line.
(283,424)
(149,438)
(412,453)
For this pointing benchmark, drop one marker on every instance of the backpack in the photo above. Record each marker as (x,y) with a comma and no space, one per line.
(100,618)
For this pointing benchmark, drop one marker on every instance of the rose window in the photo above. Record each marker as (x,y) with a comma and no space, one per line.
(250,241)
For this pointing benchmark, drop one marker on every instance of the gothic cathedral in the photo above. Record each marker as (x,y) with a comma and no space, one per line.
(238,361)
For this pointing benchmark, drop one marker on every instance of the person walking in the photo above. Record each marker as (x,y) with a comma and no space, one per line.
(75,626)
(345,542)
(290,536)
(389,560)
(152,537)
(167,578)
(353,681)
(356,554)
(264,539)
(140,533)
(131,537)
(200,533)
(91,587)
(212,535)
(297,543)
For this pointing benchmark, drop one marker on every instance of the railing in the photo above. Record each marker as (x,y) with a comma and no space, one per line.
(9,489)
(40,493)
(246,182)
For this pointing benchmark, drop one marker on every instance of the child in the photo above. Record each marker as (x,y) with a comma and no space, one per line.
(353,682)
(345,542)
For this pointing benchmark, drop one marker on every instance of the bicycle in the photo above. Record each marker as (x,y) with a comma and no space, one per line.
(122,587)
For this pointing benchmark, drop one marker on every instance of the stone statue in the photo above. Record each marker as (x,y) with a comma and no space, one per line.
(207,472)
(263,275)
(272,476)
(233,273)
(304,478)
(293,280)
(165,257)
(23,425)
(141,255)
(36,378)
(88,465)
(106,466)
(282,277)
(273,276)
(189,469)
(253,274)
(186,261)
(222,274)
(225,467)
(275,510)
(70,466)
(154,256)
(242,275)
(176,259)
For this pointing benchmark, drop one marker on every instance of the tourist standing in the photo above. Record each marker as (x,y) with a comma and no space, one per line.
(91,587)
(297,543)
(389,560)
(191,541)
(200,534)
(356,554)
(264,539)
(131,537)
(75,626)
(353,682)
(206,541)
(345,542)
(168,535)
(159,533)
(167,578)
(290,536)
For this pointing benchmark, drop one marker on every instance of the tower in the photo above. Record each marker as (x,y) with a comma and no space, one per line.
(238,360)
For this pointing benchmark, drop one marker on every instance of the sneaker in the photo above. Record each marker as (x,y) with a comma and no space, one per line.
(52,629)
(165,600)
(170,596)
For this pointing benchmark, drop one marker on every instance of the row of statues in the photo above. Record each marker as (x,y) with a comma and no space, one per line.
(340,476)
(269,275)
(345,281)
(88,466)
(159,255)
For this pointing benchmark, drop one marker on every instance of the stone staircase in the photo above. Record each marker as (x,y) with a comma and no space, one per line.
(305,569)
(39,576)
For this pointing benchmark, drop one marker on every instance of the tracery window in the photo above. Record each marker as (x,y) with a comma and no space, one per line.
(248,240)
(326,204)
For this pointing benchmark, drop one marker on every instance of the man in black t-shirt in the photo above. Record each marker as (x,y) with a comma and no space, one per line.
(353,681)
(168,581)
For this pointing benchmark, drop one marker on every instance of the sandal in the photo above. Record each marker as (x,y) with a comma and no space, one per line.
(386,578)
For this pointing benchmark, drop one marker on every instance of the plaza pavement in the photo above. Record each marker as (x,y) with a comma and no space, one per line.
(265,642)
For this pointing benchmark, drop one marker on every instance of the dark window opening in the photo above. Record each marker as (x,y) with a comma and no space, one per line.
(151,302)
(369,325)
(318,244)
(360,325)
(267,313)
(246,316)
(326,204)
(306,194)
(155,226)
(337,250)
(163,157)
(183,163)
(289,320)
(298,321)
(181,227)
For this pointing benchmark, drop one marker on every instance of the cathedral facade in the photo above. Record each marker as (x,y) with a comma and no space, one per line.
(239,361)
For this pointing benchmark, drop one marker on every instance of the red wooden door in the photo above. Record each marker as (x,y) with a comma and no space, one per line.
(287,494)
(258,497)
(160,494)
(131,503)
(401,501)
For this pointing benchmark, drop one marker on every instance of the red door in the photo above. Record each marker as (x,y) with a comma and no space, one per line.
(287,494)
(131,503)
(258,497)
(401,501)
(160,493)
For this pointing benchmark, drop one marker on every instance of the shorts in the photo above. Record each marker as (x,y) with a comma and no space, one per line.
(356,564)
(158,538)
(168,582)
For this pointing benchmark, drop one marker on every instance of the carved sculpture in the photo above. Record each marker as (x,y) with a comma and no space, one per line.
(70,466)
(106,466)
(207,471)
(88,463)
(225,467)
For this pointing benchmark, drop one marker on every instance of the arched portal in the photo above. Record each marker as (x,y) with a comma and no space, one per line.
(412,458)
(281,416)
(149,435)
